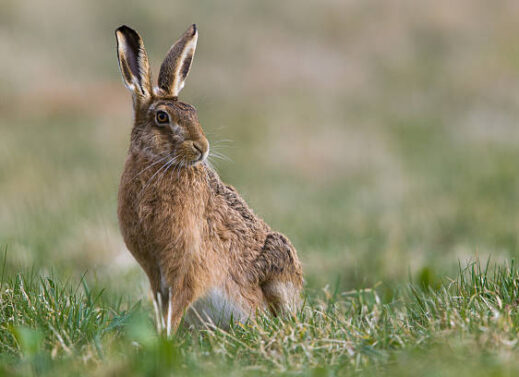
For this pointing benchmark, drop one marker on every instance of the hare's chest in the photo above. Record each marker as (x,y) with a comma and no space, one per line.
(215,308)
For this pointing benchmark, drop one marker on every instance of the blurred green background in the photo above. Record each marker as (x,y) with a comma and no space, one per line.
(381,137)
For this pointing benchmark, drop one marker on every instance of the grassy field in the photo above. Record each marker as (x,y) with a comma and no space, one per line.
(463,327)
(381,137)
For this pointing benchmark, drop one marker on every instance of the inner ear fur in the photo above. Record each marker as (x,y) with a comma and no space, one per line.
(177,63)
(133,61)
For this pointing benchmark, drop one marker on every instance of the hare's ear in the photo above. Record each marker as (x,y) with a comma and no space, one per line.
(133,62)
(176,64)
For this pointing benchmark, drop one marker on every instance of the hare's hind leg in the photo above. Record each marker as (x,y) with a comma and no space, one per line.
(280,274)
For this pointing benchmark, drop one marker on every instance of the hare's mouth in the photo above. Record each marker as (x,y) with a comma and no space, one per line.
(189,162)
(198,154)
(191,153)
(197,161)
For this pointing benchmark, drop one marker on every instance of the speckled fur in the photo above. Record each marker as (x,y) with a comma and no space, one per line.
(192,234)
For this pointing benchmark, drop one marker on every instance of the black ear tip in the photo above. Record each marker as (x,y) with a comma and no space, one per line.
(124,29)
(194,29)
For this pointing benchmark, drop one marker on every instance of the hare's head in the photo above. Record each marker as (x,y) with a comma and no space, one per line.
(164,126)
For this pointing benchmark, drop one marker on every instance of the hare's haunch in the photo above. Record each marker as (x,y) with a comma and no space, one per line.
(205,252)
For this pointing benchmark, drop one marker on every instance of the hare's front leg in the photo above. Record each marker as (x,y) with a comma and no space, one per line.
(179,298)
(159,296)
(158,306)
(171,295)
(169,309)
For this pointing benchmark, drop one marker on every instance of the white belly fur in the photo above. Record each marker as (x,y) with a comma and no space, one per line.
(216,308)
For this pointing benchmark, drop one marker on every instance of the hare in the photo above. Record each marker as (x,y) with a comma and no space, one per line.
(203,249)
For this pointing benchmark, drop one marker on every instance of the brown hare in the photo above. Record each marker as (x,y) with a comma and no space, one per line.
(203,249)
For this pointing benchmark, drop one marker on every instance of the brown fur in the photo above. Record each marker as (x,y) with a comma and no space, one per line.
(189,231)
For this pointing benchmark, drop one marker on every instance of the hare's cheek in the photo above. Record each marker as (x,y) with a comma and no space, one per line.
(183,150)
(175,140)
(176,129)
(160,144)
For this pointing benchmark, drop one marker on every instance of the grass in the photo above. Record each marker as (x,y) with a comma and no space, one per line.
(380,137)
(470,322)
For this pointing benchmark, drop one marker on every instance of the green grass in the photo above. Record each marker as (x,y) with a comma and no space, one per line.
(468,324)
(380,137)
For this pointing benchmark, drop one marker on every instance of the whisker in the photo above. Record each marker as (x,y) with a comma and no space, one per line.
(172,163)
(151,179)
(220,156)
(177,170)
(210,165)
(219,149)
(150,165)
(181,166)
(222,141)
(169,163)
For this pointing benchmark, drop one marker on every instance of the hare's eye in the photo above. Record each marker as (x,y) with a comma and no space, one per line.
(162,117)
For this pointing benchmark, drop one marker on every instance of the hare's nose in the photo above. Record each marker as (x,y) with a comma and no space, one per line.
(198,147)
(202,148)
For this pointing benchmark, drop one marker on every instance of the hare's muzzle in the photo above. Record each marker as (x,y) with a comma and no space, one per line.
(199,149)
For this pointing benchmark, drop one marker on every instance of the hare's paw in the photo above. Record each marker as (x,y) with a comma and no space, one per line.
(283,297)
